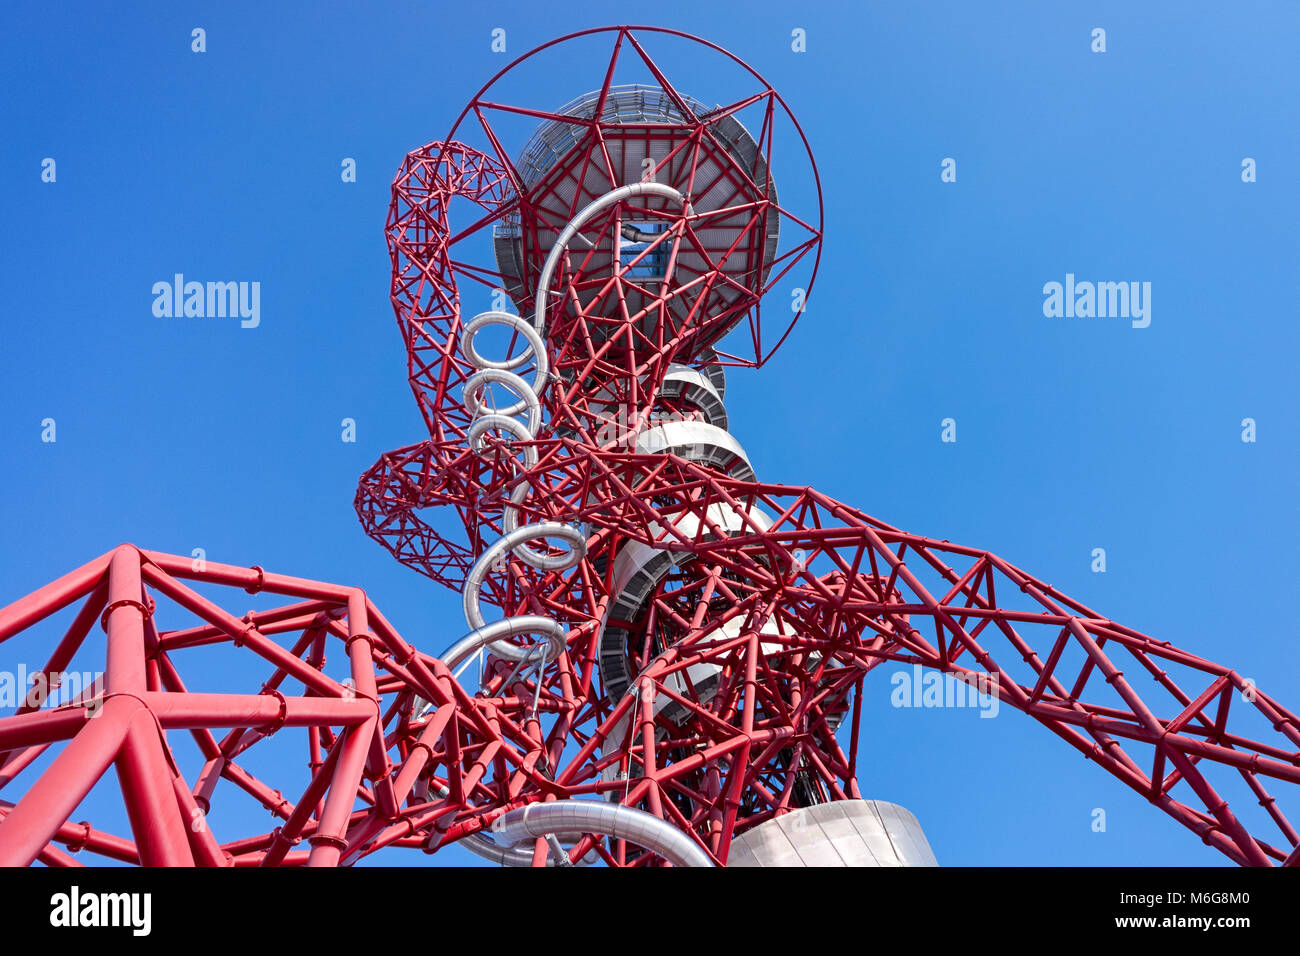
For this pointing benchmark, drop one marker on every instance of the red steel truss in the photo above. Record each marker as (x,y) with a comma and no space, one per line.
(717,631)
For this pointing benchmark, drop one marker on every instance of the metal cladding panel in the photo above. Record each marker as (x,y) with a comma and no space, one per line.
(905,834)
(809,840)
(696,388)
(844,837)
(765,845)
(699,442)
(875,838)
(842,833)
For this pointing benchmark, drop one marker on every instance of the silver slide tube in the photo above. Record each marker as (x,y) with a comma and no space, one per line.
(612,820)
(489,634)
(564,816)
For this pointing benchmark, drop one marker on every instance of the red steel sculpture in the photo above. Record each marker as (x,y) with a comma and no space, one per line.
(677,651)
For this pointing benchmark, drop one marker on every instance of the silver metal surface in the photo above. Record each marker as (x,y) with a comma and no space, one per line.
(699,442)
(839,833)
(512,542)
(481,845)
(490,634)
(696,388)
(527,397)
(608,819)
(536,348)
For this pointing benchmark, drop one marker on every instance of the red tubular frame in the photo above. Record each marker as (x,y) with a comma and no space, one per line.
(366,747)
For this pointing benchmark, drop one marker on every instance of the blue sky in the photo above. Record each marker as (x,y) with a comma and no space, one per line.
(1072,433)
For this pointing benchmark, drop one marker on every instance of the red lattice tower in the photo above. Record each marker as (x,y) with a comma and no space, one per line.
(680,650)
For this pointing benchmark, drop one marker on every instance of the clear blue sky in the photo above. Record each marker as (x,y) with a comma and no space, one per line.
(1072,433)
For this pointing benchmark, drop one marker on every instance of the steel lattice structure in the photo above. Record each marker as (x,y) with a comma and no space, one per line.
(681,649)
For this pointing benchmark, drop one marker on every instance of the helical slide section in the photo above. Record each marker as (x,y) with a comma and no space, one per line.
(561,817)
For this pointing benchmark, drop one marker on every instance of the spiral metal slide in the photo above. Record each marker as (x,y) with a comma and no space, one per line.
(544,820)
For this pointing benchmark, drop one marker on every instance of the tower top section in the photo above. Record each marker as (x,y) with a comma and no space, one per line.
(651,269)
(682,274)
